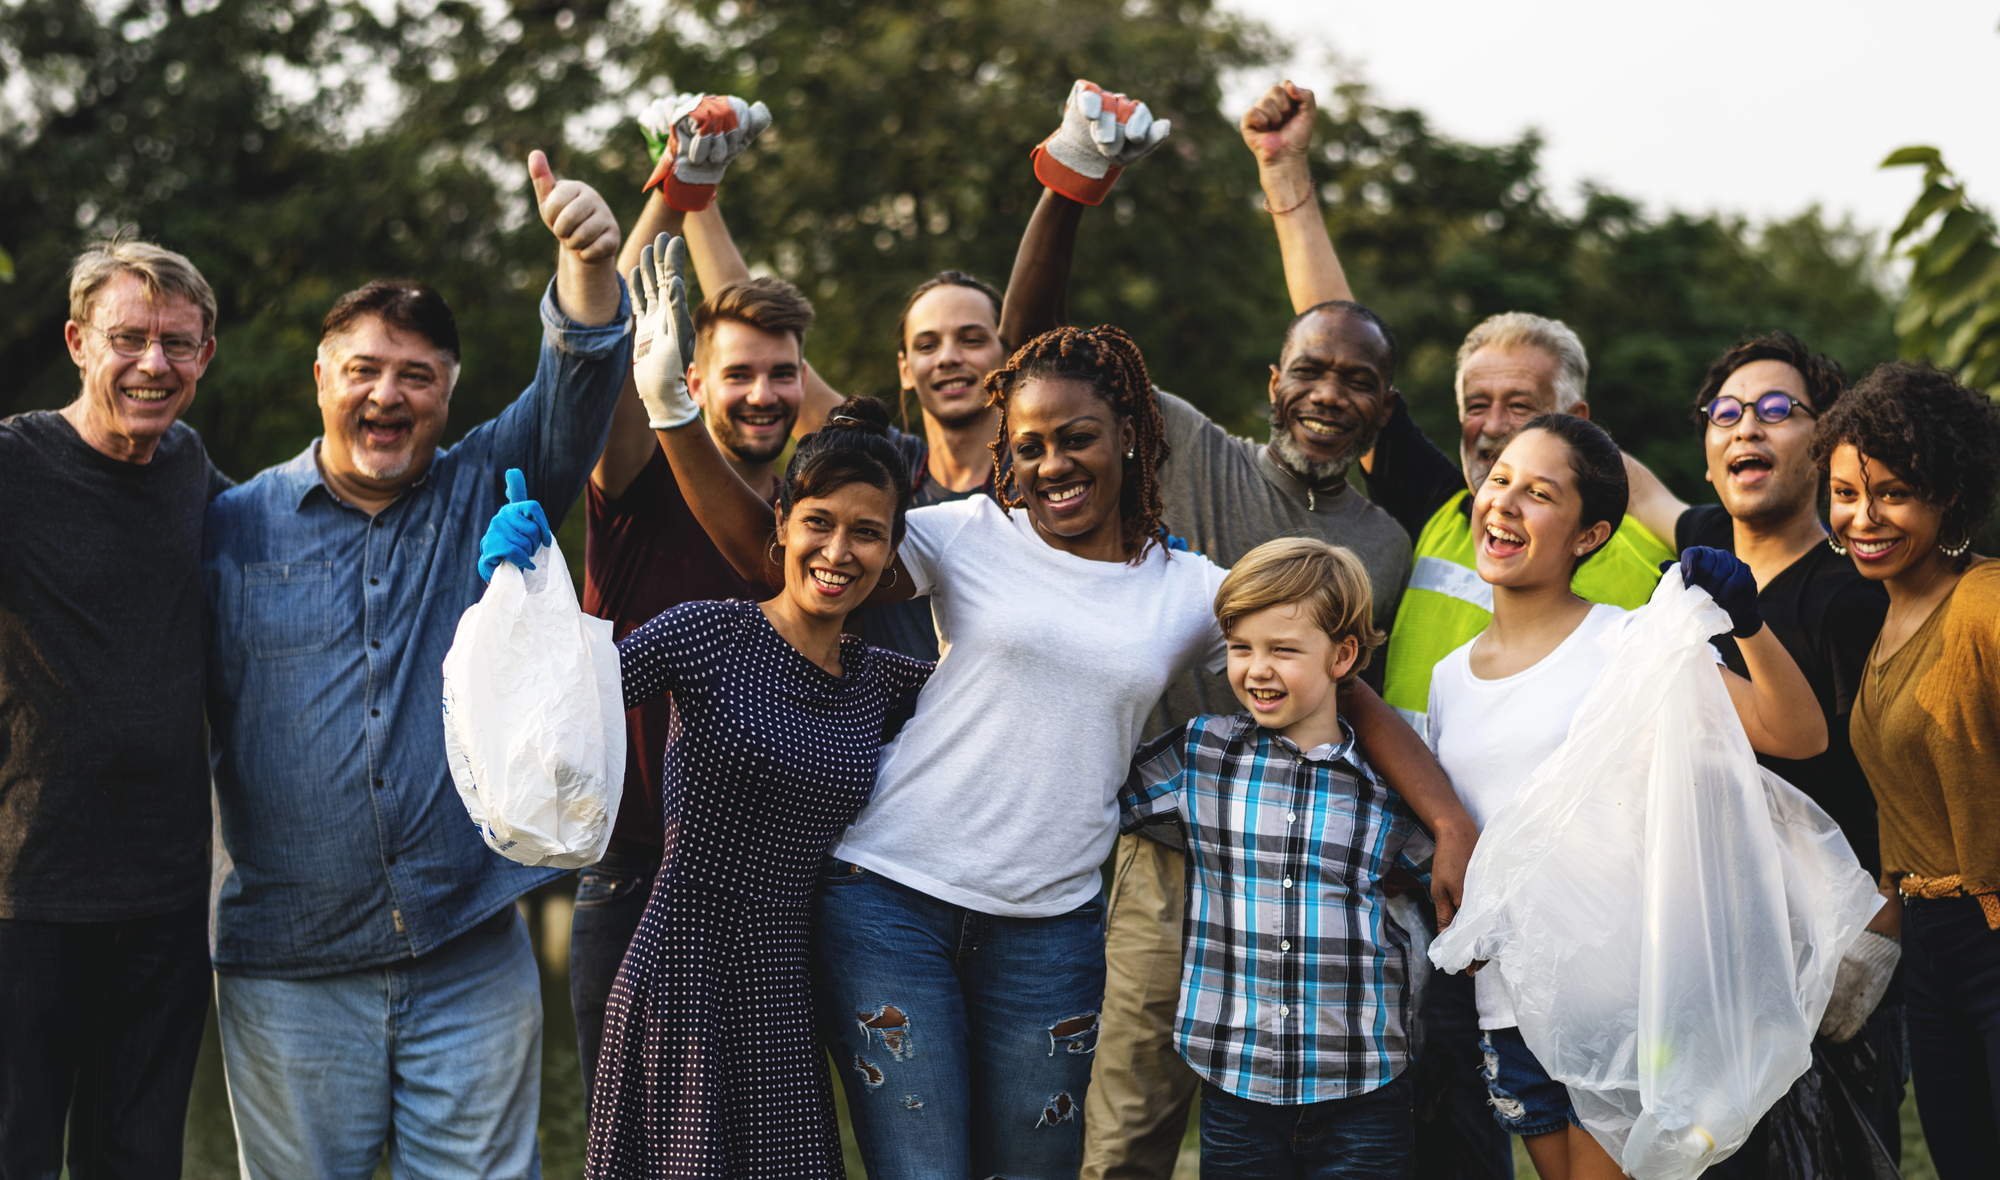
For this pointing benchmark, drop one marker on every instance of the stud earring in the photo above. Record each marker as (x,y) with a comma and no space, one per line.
(1128,454)
(1833,543)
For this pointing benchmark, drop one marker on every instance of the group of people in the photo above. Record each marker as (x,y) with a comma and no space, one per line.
(894,705)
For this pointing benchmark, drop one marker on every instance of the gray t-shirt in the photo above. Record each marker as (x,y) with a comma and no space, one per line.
(103,766)
(1225,496)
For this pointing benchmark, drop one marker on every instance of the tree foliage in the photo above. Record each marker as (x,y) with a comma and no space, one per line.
(296,148)
(1951,310)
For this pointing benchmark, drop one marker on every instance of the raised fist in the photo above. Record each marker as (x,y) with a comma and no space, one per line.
(693,138)
(1101,133)
(1280,124)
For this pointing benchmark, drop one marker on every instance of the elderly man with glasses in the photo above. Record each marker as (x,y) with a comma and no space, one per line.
(104,817)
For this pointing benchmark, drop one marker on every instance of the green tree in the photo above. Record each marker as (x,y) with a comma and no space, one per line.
(1951,310)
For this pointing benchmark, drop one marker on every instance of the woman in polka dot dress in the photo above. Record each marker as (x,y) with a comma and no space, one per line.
(709,1066)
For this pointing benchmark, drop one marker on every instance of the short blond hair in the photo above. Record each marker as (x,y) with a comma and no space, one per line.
(1518,329)
(163,271)
(1329,579)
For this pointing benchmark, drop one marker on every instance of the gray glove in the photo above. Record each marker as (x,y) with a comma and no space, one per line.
(1858,985)
(663,342)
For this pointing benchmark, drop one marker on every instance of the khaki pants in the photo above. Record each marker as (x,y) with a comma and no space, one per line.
(1136,1111)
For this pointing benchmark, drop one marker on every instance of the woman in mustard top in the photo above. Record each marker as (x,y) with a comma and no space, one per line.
(1913,466)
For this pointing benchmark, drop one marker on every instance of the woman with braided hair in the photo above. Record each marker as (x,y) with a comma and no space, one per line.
(958,943)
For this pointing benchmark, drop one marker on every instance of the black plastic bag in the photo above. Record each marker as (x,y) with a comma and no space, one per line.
(1818,1132)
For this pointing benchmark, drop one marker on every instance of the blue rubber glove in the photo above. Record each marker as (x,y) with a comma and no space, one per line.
(518,529)
(1729,582)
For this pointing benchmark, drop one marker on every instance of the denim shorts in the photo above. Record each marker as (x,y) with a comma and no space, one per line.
(1524,1098)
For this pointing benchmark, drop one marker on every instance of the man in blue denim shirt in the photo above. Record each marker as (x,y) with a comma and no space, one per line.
(375,982)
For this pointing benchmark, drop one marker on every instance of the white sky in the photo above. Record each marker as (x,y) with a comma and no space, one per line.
(1753,106)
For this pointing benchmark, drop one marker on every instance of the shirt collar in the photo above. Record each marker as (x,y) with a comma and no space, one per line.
(1245,728)
(300,477)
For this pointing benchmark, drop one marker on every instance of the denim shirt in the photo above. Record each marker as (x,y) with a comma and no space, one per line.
(327,631)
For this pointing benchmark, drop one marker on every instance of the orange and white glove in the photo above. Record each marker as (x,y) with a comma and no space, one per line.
(693,138)
(1101,134)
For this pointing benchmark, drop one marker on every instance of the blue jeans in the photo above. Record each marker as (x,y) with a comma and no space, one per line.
(611,897)
(964,1040)
(1370,1136)
(440,1057)
(100,1024)
(1951,981)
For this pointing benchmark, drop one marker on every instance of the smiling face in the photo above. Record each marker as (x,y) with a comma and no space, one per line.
(950,343)
(383,397)
(1763,470)
(1329,394)
(1069,449)
(1500,389)
(1283,668)
(1884,524)
(1527,516)
(127,403)
(749,383)
(836,547)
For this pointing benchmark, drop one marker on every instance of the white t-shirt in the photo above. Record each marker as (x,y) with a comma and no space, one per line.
(1490,735)
(1001,793)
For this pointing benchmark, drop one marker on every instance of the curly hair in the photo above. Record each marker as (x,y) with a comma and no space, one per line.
(1107,360)
(1940,437)
(1822,374)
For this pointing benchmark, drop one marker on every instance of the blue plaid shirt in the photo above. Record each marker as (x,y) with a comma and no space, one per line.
(1294,981)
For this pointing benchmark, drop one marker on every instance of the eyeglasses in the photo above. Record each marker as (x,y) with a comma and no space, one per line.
(1771,408)
(133,344)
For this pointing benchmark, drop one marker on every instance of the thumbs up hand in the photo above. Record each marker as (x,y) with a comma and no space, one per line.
(574,213)
(517,531)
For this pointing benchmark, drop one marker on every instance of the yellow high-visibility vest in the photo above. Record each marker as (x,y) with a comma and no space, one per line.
(1447,604)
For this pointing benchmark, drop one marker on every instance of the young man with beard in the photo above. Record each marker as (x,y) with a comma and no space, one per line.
(1330,392)
(375,984)
(1757,407)
(104,818)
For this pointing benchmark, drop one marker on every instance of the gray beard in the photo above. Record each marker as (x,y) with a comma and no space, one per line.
(1307,471)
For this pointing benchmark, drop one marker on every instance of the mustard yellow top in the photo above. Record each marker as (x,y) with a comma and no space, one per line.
(1927,732)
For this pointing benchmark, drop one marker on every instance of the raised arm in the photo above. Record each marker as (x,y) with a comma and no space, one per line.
(1278,130)
(629,446)
(1101,133)
(587,287)
(1650,501)
(1395,750)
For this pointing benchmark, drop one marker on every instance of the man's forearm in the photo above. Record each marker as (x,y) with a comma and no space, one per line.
(655,219)
(1312,270)
(1038,290)
(739,521)
(588,292)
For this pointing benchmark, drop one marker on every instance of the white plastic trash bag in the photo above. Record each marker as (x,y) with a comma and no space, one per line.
(534,718)
(1665,914)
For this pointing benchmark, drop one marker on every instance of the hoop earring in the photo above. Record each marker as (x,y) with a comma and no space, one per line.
(1960,548)
(771,552)
(892,578)
(1833,543)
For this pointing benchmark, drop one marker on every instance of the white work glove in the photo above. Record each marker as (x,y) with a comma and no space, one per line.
(1858,985)
(1101,133)
(663,333)
(693,138)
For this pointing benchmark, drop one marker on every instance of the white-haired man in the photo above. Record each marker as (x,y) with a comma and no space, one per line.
(104,818)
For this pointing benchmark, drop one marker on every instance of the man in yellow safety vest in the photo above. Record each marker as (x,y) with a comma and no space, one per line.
(1511,367)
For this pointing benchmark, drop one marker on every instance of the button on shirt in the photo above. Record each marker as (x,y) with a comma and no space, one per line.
(327,632)
(1294,980)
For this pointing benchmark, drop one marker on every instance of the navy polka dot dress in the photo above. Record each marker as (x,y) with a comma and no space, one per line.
(709,1065)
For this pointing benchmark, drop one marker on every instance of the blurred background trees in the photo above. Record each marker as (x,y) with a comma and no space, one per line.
(296,148)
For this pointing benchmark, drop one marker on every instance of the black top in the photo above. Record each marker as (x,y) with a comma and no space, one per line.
(103,764)
(1827,615)
(1411,478)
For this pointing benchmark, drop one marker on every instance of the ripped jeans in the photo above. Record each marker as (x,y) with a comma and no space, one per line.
(964,1040)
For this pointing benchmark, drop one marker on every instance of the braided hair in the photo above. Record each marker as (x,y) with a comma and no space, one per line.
(1107,360)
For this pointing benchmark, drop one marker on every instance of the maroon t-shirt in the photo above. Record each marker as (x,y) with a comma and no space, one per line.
(643,553)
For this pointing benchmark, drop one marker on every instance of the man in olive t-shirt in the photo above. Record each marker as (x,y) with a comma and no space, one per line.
(104,816)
